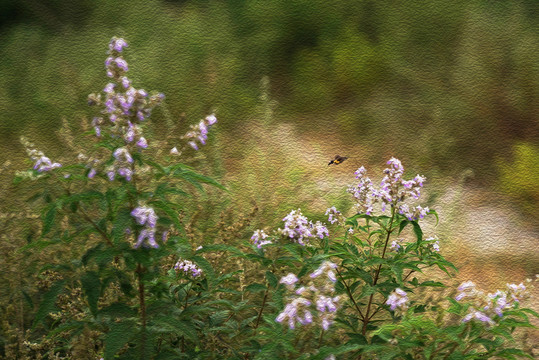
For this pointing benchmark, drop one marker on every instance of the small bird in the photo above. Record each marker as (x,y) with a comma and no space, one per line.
(338,159)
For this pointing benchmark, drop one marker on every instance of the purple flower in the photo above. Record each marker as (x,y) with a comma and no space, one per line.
(130,134)
(188,267)
(324,303)
(174,151)
(332,211)
(126,83)
(125,172)
(44,164)
(299,228)
(479,316)
(467,289)
(259,238)
(326,323)
(397,299)
(289,279)
(145,216)
(92,173)
(109,61)
(200,131)
(117,44)
(122,152)
(142,143)
(211,119)
(326,267)
(109,88)
(122,64)
(148,234)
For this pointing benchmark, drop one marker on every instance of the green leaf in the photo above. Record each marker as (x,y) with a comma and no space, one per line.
(117,310)
(28,298)
(272,279)
(195,179)
(48,219)
(123,221)
(91,284)
(435,214)
(180,327)
(403,224)
(432,283)
(48,303)
(220,247)
(119,334)
(254,288)
(206,268)
(166,207)
(71,325)
(417,231)
(512,351)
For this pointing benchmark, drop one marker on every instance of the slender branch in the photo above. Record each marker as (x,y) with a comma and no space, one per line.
(376,276)
(101,231)
(350,295)
(261,308)
(142,303)
(320,339)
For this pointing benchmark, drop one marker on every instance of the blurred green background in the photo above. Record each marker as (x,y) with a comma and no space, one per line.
(450,87)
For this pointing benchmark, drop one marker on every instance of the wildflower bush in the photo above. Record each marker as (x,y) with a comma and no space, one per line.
(357,287)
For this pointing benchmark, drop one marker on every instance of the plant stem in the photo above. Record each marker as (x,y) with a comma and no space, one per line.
(350,295)
(142,303)
(262,307)
(366,318)
(320,339)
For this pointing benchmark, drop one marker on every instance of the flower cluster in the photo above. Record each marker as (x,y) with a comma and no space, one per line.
(126,108)
(41,162)
(319,292)
(491,305)
(396,244)
(259,238)
(397,299)
(200,131)
(393,191)
(434,243)
(299,228)
(146,216)
(334,215)
(188,267)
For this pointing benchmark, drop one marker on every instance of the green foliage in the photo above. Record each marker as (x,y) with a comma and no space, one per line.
(519,177)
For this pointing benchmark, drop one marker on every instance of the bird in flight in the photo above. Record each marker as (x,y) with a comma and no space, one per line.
(338,159)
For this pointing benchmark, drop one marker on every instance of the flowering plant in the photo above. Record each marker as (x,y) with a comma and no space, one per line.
(120,197)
